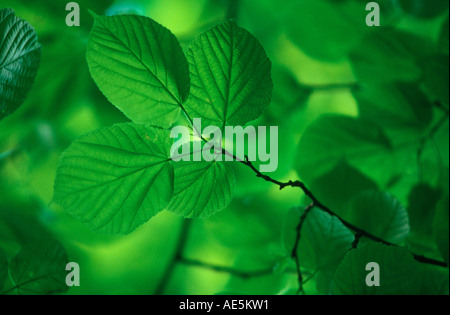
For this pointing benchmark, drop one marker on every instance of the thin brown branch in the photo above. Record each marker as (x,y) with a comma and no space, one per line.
(320,205)
(294,253)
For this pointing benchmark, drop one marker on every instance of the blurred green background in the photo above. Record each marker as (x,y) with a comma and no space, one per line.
(325,61)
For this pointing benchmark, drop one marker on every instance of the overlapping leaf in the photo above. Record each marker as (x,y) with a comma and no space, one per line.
(20,54)
(402,110)
(394,56)
(140,67)
(202,188)
(231,77)
(324,240)
(39,268)
(380,214)
(332,139)
(399,273)
(116,179)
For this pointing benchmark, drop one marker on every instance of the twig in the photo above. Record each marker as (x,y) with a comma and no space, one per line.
(294,253)
(356,241)
(320,205)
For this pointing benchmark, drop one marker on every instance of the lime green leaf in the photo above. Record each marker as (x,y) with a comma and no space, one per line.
(331,139)
(140,67)
(40,268)
(202,188)
(440,227)
(324,239)
(380,214)
(393,56)
(400,274)
(231,77)
(3,267)
(116,179)
(437,77)
(20,54)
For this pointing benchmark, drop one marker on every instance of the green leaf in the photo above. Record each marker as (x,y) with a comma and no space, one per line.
(324,239)
(338,187)
(40,268)
(231,77)
(331,139)
(402,110)
(400,274)
(20,54)
(394,56)
(202,188)
(444,38)
(422,203)
(325,29)
(3,268)
(436,70)
(423,9)
(440,228)
(380,214)
(140,67)
(116,179)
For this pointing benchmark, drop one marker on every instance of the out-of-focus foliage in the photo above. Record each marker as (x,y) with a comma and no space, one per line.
(363,118)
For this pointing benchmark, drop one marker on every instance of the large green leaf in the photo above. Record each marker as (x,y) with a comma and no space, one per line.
(440,228)
(20,54)
(324,239)
(380,214)
(116,179)
(140,67)
(3,268)
(399,273)
(231,77)
(202,188)
(331,139)
(40,268)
